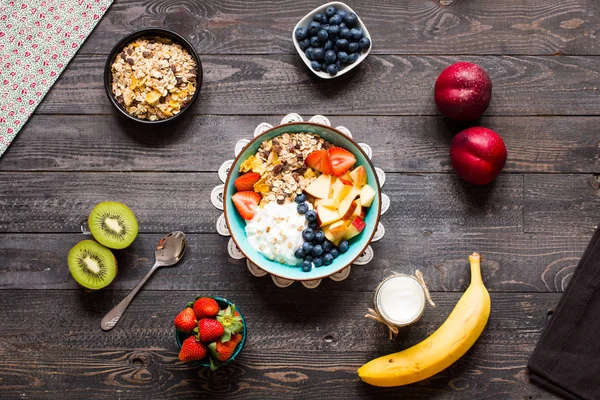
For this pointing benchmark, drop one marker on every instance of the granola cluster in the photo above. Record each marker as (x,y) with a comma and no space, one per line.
(280,162)
(153,78)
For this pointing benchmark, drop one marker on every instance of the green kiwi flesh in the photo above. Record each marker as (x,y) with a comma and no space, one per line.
(113,224)
(92,265)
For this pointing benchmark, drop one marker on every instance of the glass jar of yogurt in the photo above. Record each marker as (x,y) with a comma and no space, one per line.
(400,300)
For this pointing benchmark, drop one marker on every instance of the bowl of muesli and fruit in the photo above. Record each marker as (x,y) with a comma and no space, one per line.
(152,75)
(302,201)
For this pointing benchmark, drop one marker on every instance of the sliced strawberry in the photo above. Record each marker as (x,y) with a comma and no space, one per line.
(341,160)
(246,181)
(320,161)
(246,203)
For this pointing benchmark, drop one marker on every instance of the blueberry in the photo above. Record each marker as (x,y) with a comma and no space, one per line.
(318,17)
(351,20)
(352,58)
(301,33)
(330,11)
(341,44)
(319,236)
(335,253)
(311,215)
(300,253)
(343,246)
(318,261)
(328,45)
(335,20)
(315,65)
(308,234)
(327,246)
(334,30)
(329,56)
(342,56)
(313,28)
(340,66)
(332,69)
(353,47)
(345,33)
(357,33)
(317,250)
(318,54)
(304,44)
(327,259)
(307,247)
(313,224)
(302,208)
(309,258)
(306,266)
(343,26)
(301,198)
(324,20)
(342,13)
(308,53)
(315,42)
(322,35)
(364,43)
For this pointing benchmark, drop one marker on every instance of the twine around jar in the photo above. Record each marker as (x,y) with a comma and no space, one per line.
(393,329)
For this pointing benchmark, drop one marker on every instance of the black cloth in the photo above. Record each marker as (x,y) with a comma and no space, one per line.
(566,359)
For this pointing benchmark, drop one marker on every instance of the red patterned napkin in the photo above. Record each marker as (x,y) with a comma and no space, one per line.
(38,38)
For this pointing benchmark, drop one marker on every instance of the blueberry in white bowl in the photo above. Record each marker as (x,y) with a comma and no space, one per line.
(332,40)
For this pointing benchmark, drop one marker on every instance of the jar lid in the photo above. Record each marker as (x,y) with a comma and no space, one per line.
(400,300)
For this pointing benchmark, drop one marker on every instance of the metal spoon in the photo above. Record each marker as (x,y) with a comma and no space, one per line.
(169,251)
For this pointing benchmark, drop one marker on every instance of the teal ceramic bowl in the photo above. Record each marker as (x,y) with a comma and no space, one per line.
(223,303)
(237,224)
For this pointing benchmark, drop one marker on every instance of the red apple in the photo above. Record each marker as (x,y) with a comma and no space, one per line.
(478,155)
(463,91)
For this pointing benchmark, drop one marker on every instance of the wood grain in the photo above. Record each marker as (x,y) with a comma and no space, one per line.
(296,348)
(381,85)
(163,202)
(562,203)
(513,262)
(412,26)
(202,143)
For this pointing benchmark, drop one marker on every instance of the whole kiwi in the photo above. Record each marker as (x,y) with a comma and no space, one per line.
(113,224)
(92,265)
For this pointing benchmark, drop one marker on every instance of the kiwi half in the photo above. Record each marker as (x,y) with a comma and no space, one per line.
(92,265)
(113,224)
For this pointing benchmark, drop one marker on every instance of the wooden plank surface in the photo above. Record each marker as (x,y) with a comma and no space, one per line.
(410,27)
(295,349)
(202,143)
(181,201)
(513,262)
(381,85)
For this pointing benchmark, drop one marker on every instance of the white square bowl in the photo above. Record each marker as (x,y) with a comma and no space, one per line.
(308,17)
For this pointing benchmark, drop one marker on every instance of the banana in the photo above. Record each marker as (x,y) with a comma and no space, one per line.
(445,346)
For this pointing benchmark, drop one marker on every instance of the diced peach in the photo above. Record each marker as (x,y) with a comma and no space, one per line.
(319,188)
(341,188)
(329,203)
(367,194)
(356,227)
(359,176)
(327,215)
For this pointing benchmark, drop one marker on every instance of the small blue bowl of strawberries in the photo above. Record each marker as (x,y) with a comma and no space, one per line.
(210,332)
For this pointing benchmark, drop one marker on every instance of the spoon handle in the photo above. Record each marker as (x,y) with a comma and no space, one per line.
(113,316)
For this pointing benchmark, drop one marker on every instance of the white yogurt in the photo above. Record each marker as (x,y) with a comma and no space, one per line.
(275,231)
(400,300)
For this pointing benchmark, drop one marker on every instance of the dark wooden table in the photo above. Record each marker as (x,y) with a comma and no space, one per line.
(531,225)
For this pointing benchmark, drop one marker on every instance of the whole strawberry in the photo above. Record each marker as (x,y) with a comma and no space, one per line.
(192,349)
(186,320)
(209,330)
(206,307)
(231,321)
(222,351)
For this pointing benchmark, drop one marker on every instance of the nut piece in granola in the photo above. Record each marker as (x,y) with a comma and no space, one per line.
(153,78)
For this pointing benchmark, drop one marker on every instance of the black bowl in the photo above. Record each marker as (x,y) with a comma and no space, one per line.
(149,32)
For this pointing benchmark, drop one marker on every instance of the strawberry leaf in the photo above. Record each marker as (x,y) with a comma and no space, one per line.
(226,337)
(214,364)
(190,304)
